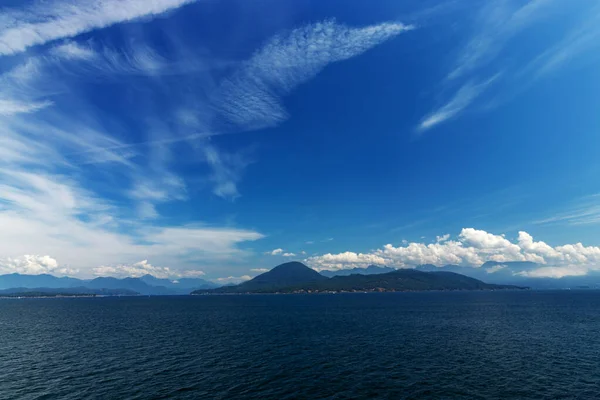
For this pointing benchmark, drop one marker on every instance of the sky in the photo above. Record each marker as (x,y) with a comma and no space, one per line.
(219,138)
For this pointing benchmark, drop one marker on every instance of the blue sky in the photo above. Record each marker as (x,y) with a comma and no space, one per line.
(221,138)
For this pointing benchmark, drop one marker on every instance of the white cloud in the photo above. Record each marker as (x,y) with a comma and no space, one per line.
(344,260)
(233,279)
(12,107)
(289,255)
(53,163)
(440,239)
(34,265)
(584,211)
(47,21)
(275,252)
(251,98)
(555,272)
(495,268)
(461,100)
(540,251)
(226,170)
(142,268)
(581,40)
(496,23)
(50,214)
(72,50)
(473,248)
(261,270)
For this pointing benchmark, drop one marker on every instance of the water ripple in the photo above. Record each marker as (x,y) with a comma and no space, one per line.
(497,345)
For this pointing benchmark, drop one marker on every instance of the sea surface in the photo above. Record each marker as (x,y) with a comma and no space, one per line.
(444,345)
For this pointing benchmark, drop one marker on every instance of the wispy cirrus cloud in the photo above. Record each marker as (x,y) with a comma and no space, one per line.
(81,231)
(461,100)
(584,211)
(496,24)
(12,107)
(583,38)
(251,97)
(83,186)
(226,170)
(44,22)
(62,221)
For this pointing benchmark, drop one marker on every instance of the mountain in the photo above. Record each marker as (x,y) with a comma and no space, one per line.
(181,286)
(196,283)
(289,274)
(490,271)
(37,281)
(515,273)
(146,285)
(370,270)
(402,280)
(297,280)
(44,291)
(134,284)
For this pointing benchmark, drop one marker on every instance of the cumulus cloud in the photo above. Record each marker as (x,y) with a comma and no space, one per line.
(142,268)
(439,239)
(261,270)
(274,252)
(47,21)
(473,248)
(289,254)
(555,272)
(344,260)
(34,265)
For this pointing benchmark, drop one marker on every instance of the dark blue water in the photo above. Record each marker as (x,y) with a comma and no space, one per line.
(487,345)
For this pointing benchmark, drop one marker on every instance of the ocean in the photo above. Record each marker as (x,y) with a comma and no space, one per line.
(435,345)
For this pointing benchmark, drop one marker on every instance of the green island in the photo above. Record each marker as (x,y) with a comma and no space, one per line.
(295,277)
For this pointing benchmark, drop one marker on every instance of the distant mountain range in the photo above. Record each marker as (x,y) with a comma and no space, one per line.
(370,270)
(29,292)
(295,277)
(516,273)
(145,285)
(502,273)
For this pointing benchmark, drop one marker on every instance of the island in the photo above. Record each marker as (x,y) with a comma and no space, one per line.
(295,277)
